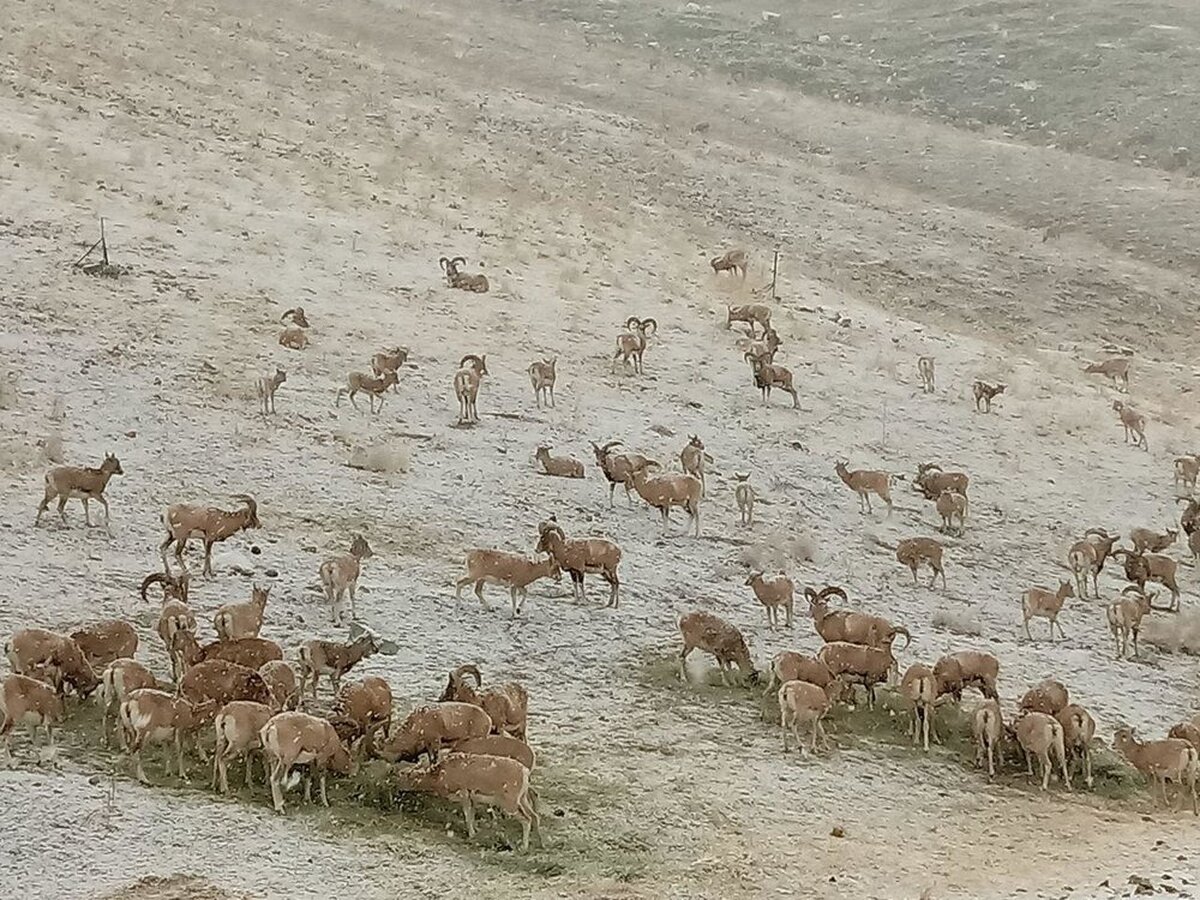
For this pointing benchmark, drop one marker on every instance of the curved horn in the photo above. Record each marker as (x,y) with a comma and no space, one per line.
(1099,532)
(153,578)
(250,502)
(900,629)
(752,359)
(632,322)
(609,446)
(458,260)
(443,262)
(652,324)
(1134,589)
(470,356)
(472,670)
(832,590)
(286,314)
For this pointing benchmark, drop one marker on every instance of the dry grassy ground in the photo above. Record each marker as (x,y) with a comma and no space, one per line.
(250,158)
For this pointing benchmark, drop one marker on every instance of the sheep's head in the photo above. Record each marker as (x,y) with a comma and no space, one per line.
(360,549)
(111,465)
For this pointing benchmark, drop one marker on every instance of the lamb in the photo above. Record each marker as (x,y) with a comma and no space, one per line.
(987,727)
(1133,422)
(752,314)
(968,668)
(558,466)
(106,641)
(631,345)
(579,556)
(1116,368)
(790,666)
(1088,557)
(471,369)
(803,703)
(730,261)
(864,483)
(925,371)
(949,505)
(266,387)
(471,779)
(85,484)
(744,494)
(985,393)
(666,491)
(253,652)
(542,377)
(291,738)
(339,576)
(507,705)
(509,569)
(242,620)
(932,482)
(427,729)
(117,682)
(329,657)
(716,636)
(618,468)
(1171,759)
(1079,728)
(211,684)
(184,521)
(281,682)
(390,360)
(29,702)
(35,651)
(858,664)
(1146,541)
(773,594)
(1187,469)
(1143,567)
(367,703)
(768,376)
(1040,603)
(691,459)
(1041,735)
(476,284)
(1048,697)
(919,686)
(238,728)
(150,716)
(914,551)
(1125,618)
(374,386)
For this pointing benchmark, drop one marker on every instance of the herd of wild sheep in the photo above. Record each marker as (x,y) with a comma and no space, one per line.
(471,745)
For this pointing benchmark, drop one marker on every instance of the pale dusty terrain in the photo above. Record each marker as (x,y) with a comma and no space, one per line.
(250,159)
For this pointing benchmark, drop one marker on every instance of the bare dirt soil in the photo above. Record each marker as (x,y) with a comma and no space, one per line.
(908,160)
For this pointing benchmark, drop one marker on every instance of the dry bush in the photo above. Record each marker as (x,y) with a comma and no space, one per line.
(777,551)
(232,388)
(9,388)
(958,621)
(1173,634)
(385,456)
(52,450)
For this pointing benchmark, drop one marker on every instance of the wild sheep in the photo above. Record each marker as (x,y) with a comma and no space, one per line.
(471,369)
(367,703)
(731,261)
(772,594)
(266,387)
(912,552)
(121,678)
(319,658)
(499,745)
(558,466)
(1041,735)
(1187,731)
(281,681)
(691,459)
(296,316)
(968,668)
(507,705)
(469,779)
(150,716)
(1187,469)
(509,569)
(577,557)
(211,684)
(744,494)
(1194,545)
(238,727)
(919,687)
(339,576)
(175,617)
(752,314)
(704,631)
(790,666)
(987,728)
(1088,557)
(932,482)
(1041,603)
(985,393)
(851,627)
(765,348)
(858,664)
(1189,519)
(631,345)
(1143,567)
(1078,730)
(293,336)
(1146,541)
(1048,696)
(768,376)
(1125,618)
(76,482)
(103,642)
(29,702)
(243,619)
(1171,759)
(184,521)
(36,652)
(427,729)
(291,738)
(801,702)
(666,491)
(1133,422)
(390,360)
(1116,368)
(542,377)
(374,386)
(476,284)
(252,652)
(865,482)
(925,371)
(949,505)
(618,468)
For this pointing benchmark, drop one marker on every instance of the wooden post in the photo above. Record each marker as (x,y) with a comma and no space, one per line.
(103,242)
(774,273)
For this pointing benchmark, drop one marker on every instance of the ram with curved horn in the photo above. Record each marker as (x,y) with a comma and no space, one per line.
(477,284)
(632,343)
(768,375)
(471,370)
(619,468)
(578,557)
(1143,567)
(850,627)
(1087,557)
(184,521)
(507,704)
(931,481)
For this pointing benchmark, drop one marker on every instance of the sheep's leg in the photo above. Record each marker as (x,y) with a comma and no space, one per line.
(1087,766)
(469,814)
(278,773)
(1135,649)
(1044,759)
(1054,623)
(683,662)
(207,570)
(324,796)
(991,746)
(107,520)
(137,755)
(1028,762)
(62,508)
(1027,633)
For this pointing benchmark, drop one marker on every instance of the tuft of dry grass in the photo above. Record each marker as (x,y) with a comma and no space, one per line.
(9,388)
(52,450)
(778,550)
(385,456)
(958,621)
(1173,633)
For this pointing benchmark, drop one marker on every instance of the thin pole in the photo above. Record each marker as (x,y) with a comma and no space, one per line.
(774,274)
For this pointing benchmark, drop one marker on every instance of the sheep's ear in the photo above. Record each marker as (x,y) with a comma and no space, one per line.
(356,631)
